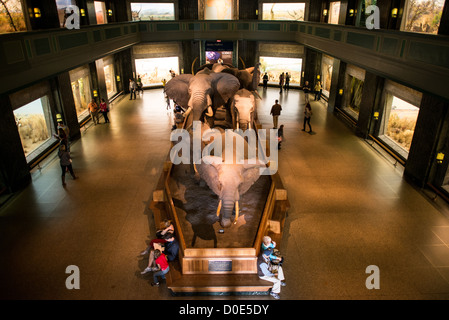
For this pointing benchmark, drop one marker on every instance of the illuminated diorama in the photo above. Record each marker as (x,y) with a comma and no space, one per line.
(274,66)
(82,93)
(283,11)
(34,124)
(11,16)
(217,9)
(422,16)
(154,70)
(152,11)
(399,116)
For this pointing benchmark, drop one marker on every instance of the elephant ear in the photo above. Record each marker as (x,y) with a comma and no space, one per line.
(225,86)
(208,171)
(177,89)
(250,175)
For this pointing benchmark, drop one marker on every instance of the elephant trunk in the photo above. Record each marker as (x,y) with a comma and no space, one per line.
(199,101)
(228,202)
(243,124)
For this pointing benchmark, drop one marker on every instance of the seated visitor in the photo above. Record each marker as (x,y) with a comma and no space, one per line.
(170,248)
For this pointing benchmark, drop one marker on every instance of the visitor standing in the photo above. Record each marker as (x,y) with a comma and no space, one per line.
(280,136)
(65,161)
(104,109)
(66,129)
(306,90)
(94,109)
(132,89)
(307,115)
(318,91)
(139,85)
(276,112)
(265,80)
(281,82)
(287,81)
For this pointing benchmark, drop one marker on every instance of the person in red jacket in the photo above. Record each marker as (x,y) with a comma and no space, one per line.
(162,267)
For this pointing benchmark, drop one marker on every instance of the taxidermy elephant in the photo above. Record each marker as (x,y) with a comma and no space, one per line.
(243,108)
(204,91)
(229,180)
(248,78)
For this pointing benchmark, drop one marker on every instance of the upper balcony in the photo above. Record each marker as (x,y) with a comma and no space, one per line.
(416,60)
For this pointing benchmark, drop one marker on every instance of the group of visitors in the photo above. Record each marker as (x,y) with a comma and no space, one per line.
(135,87)
(161,250)
(65,158)
(284,81)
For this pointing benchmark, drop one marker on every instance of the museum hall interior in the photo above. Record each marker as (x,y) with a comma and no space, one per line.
(253,150)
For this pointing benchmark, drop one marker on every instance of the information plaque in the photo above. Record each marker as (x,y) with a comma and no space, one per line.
(220,265)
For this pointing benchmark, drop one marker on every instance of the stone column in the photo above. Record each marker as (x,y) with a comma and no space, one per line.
(101,81)
(66,105)
(421,157)
(369,99)
(444,22)
(48,18)
(15,173)
(333,93)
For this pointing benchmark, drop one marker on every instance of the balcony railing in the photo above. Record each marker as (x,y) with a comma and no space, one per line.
(417,60)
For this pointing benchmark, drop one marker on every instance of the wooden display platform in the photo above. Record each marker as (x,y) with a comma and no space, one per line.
(219,271)
(223,284)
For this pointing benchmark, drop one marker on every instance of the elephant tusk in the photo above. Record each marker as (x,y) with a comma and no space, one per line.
(194,168)
(219,208)
(236,212)
(187,112)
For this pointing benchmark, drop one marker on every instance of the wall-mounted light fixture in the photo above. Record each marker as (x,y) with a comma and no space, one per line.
(110,12)
(376,115)
(118,78)
(351,12)
(394,13)
(58,118)
(37,12)
(325,12)
(440,157)
(318,77)
(95,92)
(340,92)
(257,12)
(83,12)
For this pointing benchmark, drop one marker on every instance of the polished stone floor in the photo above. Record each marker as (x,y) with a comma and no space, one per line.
(350,209)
